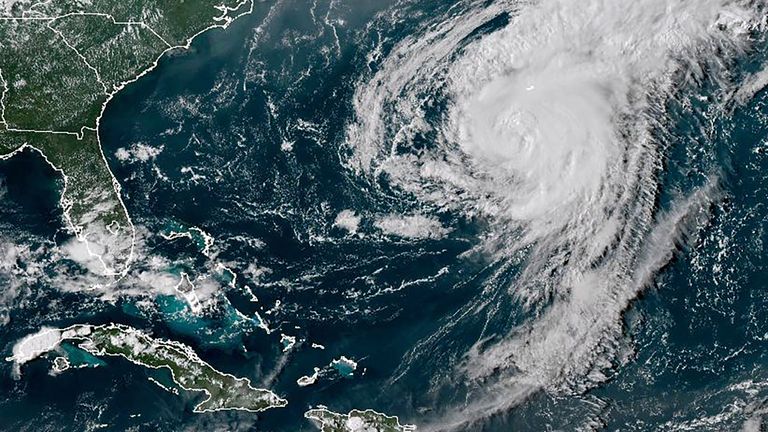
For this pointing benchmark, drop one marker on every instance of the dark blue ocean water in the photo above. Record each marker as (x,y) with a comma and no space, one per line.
(250,122)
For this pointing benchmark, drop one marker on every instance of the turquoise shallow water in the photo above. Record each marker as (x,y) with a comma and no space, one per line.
(249,124)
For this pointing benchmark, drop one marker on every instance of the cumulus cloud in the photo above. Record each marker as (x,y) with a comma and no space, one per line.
(411,226)
(348,220)
(138,152)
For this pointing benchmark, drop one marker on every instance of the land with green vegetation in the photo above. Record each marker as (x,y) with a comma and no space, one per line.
(356,421)
(60,64)
(222,391)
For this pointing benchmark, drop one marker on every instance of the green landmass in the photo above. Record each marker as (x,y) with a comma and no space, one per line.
(356,421)
(175,229)
(60,63)
(222,391)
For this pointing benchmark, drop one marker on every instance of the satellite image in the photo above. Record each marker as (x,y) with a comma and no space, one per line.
(383,215)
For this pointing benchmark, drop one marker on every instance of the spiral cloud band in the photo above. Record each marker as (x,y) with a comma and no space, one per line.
(548,127)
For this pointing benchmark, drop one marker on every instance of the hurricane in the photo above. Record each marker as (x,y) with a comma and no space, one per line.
(546,123)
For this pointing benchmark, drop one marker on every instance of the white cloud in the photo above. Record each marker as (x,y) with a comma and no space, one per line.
(348,220)
(411,227)
(138,152)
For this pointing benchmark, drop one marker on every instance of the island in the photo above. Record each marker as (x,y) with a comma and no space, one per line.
(61,62)
(222,391)
(356,421)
